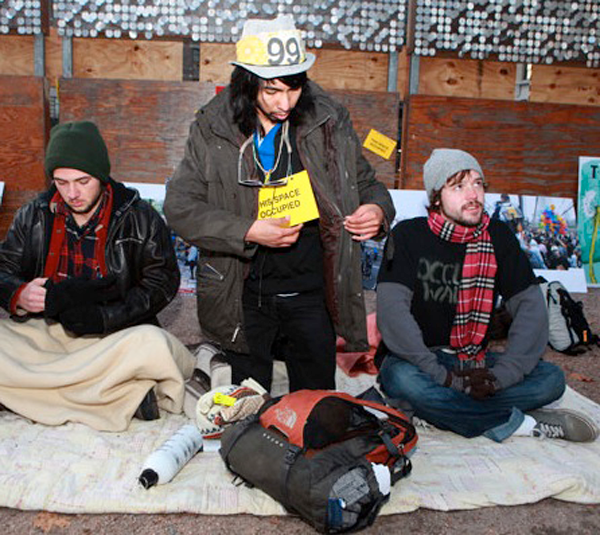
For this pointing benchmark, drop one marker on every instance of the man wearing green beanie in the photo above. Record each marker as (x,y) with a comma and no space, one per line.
(83,267)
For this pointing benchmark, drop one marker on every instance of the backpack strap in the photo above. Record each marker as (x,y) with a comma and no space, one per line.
(238,430)
(291,455)
(400,469)
(394,415)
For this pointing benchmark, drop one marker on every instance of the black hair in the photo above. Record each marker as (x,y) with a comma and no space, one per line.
(244,88)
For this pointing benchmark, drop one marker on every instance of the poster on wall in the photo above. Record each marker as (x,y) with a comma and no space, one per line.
(546,228)
(187,255)
(589,217)
(1,192)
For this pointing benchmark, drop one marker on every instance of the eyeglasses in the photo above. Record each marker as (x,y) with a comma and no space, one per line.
(245,180)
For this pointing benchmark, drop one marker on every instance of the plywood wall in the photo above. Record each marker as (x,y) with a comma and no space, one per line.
(523,147)
(23,131)
(467,78)
(333,69)
(127,60)
(145,123)
(378,111)
(566,85)
(16,55)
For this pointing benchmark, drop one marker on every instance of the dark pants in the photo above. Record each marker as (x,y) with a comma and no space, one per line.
(303,326)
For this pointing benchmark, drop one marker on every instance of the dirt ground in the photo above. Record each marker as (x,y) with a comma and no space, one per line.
(548,517)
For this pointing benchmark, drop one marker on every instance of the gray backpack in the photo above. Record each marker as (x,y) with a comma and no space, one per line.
(569,331)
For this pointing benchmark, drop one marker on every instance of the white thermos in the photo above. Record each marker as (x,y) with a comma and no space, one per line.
(163,464)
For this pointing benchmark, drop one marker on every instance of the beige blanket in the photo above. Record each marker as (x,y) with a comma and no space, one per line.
(87,471)
(51,377)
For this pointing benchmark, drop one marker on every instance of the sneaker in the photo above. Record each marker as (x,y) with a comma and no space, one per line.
(211,360)
(563,423)
(148,409)
(419,422)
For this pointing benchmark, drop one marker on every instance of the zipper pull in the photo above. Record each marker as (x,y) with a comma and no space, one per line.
(236,332)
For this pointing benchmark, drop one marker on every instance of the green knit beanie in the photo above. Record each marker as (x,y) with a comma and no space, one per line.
(78,145)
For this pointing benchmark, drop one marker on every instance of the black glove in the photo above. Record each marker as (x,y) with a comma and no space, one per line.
(77,291)
(480,383)
(86,319)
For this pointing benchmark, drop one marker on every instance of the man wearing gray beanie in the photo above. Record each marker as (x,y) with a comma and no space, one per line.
(434,302)
(82,268)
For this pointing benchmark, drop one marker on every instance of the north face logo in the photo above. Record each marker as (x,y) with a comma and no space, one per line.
(286,417)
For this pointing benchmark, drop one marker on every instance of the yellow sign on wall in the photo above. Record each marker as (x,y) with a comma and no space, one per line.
(379,144)
(295,199)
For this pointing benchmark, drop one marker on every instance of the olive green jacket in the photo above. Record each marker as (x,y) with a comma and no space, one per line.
(207,207)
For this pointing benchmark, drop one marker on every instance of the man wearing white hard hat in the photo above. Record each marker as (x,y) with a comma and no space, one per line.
(262,277)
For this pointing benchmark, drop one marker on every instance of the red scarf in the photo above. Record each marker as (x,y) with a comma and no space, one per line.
(59,252)
(476,289)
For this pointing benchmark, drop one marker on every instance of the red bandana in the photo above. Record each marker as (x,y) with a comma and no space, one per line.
(476,290)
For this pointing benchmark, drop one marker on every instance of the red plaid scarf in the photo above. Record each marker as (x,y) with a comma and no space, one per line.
(476,289)
(66,257)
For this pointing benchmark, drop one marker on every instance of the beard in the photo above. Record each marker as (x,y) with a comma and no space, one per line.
(470,220)
(271,116)
(87,208)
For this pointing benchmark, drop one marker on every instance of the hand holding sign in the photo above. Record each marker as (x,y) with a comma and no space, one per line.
(273,232)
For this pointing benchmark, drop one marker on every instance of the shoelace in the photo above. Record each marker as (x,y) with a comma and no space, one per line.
(549,430)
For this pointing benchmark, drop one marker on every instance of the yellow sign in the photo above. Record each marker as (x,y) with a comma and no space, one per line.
(296,199)
(269,49)
(379,144)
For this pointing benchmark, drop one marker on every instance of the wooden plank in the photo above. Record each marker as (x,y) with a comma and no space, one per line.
(523,147)
(145,123)
(12,200)
(333,69)
(215,61)
(127,60)
(467,78)
(565,85)
(16,55)
(377,110)
(23,132)
(353,70)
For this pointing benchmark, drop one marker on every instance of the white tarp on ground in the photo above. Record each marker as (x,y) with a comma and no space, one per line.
(74,469)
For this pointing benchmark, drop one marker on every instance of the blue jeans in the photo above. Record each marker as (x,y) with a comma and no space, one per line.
(496,417)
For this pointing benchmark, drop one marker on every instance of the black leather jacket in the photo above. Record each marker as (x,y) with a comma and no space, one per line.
(139,253)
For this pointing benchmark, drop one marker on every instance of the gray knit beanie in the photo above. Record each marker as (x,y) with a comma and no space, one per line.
(444,163)
(78,145)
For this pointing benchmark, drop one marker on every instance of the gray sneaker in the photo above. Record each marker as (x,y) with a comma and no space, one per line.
(563,423)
